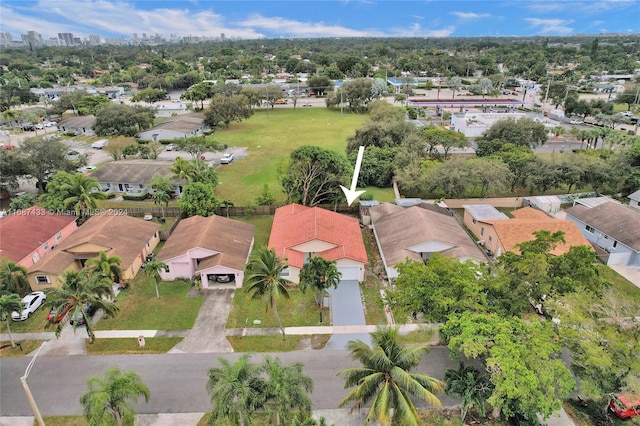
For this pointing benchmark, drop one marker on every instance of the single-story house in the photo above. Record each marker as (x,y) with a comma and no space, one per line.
(132,177)
(299,233)
(634,200)
(112,232)
(177,127)
(26,236)
(417,232)
(82,125)
(214,248)
(613,227)
(499,234)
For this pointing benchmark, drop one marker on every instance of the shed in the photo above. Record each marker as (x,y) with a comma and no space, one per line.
(547,203)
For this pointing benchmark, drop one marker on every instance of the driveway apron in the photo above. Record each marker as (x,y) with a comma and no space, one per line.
(346,309)
(207,334)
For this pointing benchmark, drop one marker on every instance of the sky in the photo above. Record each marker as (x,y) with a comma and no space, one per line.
(326,18)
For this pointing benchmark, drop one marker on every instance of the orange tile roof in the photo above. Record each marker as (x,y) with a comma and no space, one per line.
(528,220)
(295,224)
(24,231)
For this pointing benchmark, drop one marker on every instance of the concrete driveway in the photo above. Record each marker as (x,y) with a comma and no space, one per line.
(207,334)
(346,309)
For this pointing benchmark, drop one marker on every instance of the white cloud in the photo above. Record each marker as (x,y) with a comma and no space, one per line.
(289,27)
(467,16)
(550,26)
(545,6)
(416,30)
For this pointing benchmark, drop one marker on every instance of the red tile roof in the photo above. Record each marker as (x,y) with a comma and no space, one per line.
(24,231)
(295,224)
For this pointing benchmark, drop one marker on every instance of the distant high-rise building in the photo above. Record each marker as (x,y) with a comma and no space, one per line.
(31,38)
(6,39)
(94,40)
(135,36)
(66,39)
(222,36)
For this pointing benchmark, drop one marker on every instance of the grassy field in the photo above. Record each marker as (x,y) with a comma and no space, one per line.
(270,137)
(298,311)
(263,229)
(141,310)
(153,345)
(274,343)
(34,324)
(628,289)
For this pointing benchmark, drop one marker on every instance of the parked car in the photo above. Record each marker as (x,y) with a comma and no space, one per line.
(86,169)
(56,316)
(170,147)
(307,105)
(576,122)
(99,144)
(226,159)
(28,127)
(223,278)
(31,302)
(39,126)
(78,318)
(625,405)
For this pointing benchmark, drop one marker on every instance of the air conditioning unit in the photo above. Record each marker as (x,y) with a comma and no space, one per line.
(480,243)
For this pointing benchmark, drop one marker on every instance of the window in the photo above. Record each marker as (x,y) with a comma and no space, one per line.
(482,231)
(615,244)
(45,246)
(43,279)
(58,236)
(148,245)
(140,186)
(589,229)
(474,221)
(285,273)
(36,258)
(490,238)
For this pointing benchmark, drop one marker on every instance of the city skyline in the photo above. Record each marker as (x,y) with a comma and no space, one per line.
(311,19)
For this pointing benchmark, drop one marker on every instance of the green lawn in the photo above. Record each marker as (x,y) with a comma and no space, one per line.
(63,421)
(381,194)
(153,345)
(274,343)
(263,229)
(300,310)
(141,310)
(373,310)
(28,346)
(628,289)
(34,324)
(270,138)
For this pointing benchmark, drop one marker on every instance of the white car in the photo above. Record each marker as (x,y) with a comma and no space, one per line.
(575,122)
(170,147)
(30,303)
(226,159)
(86,169)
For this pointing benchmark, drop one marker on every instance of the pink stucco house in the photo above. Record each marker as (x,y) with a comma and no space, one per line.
(26,236)
(213,249)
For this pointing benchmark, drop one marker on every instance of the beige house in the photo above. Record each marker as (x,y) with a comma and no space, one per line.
(115,234)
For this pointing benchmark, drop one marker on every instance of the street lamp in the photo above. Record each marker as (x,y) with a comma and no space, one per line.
(27,391)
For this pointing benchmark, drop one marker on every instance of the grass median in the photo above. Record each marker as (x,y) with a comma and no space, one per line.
(129,346)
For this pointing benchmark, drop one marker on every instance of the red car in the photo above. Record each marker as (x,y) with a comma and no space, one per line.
(58,316)
(625,405)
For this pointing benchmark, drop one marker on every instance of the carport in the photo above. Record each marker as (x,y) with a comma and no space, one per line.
(211,277)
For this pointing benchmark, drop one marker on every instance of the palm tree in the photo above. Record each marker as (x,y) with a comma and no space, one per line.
(13,278)
(80,289)
(473,386)
(227,205)
(152,270)
(182,169)
(107,266)
(84,193)
(237,390)
(287,388)
(385,380)
(8,304)
(319,274)
(455,83)
(107,401)
(161,187)
(263,276)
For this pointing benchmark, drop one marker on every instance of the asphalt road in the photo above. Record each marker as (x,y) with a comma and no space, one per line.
(177,382)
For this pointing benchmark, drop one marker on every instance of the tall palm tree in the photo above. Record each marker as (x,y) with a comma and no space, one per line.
(84,194)
(319,274)
(162,187)
(237,390)
(152,270)
(161,198)
(263,275)
(80,289)
(107,266)
(8,304)
(455,83)
(385,379)
(288,389)
(473,386)
(108,400)
(13,278)
(182,169)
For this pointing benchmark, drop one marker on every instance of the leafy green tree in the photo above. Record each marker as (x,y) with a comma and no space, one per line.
(471,385)
(57,191)
(385,379)
(521,132)
(313,175)
(356,93)
(41,158)
(320,84)
(9,303)
(319,274)
(117,145)
(226,109)
(13,278)
(91,104)
(287,389)
(125,120)
(152,270)
(84,193)
(108,400)
(455,84)
(265,198)
(467,178)
(199,92)
(162,187)
(149,95)
(198,199)
(197,146)
(79,289)
(517,158)
(22,202)
(105,265)
(521,357)
(237,390)
(263,276)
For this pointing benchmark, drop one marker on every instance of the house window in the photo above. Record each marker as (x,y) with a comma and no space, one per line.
(589,229)
(148,245)
(474,221)
(58,236)
(490,238)
(36,258)
(140,186)
(43,279)
(126,186)
(45,246)
(482,231)
(615,244)
(285,273)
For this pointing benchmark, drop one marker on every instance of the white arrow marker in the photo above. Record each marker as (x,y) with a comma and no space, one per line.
(352,194)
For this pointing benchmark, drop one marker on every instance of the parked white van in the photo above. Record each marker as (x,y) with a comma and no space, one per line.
(99,144)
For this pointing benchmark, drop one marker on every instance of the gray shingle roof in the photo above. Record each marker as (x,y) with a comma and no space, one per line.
(132,171)
(612,219)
